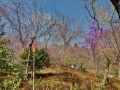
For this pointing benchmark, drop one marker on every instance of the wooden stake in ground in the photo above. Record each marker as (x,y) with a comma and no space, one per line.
(34,50)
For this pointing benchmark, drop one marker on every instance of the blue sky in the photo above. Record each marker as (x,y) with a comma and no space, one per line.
(75,8)
(69,7)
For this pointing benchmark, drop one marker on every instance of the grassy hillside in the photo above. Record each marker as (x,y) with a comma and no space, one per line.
(68,79)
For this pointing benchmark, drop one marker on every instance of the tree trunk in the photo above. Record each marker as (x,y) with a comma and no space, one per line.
(45,46)
(105,76)
(27,64)
(58,69)
(105,79)
(28,58)
(96,69)
(119,69)
(96,65)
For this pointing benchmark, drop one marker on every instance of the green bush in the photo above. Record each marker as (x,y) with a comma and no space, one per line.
(42,58)
(8,69)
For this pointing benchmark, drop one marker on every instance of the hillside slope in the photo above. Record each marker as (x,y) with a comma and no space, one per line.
(68,79)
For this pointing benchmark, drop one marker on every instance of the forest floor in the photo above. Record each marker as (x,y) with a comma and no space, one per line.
(68,79)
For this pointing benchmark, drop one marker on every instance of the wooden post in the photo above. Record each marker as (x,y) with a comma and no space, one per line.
(34,50)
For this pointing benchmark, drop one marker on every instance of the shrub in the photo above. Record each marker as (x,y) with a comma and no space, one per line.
(42,58)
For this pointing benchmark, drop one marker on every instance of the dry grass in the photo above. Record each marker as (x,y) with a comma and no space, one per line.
(69,77)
